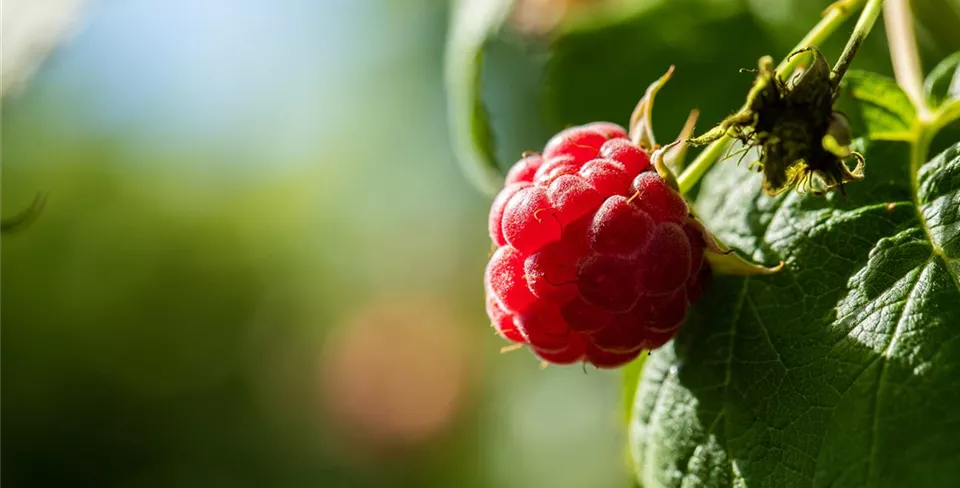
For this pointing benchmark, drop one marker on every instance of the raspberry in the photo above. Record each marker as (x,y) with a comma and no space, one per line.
(496,212)
(580,143)
(620,229)
(554,167)
(506,282)
(574,350)
(658,199)
(597,256)
(630,156)
(523,171)
(606,176)
(503,321)
(529,220)
(667,264)
(572,198)
(551,273)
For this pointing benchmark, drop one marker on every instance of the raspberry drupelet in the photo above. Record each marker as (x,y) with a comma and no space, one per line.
(598,257)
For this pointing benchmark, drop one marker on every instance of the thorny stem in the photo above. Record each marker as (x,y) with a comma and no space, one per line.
(833,17)
(860,31)
(898,20)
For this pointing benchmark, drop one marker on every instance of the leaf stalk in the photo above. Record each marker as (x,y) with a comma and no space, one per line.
(898,20)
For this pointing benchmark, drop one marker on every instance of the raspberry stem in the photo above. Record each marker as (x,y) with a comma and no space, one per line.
(833,17)
(860,32)
(898,19)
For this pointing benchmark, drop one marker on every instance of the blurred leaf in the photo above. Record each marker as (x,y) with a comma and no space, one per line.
(473,22)
(938,24)
(943,82)
(631,377)
(600,70)
(943,95)
(594,66)
(877,106)
(841,369)
(31,30)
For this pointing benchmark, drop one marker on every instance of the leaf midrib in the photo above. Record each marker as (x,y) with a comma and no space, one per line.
(923,133)
(885,357)
(741,302)
(919,147)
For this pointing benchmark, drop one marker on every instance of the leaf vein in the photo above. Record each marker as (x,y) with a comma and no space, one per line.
(885,357)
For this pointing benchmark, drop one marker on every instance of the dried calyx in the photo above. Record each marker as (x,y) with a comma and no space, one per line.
(803,143)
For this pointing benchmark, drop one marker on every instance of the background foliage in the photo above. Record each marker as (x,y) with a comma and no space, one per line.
(258,265)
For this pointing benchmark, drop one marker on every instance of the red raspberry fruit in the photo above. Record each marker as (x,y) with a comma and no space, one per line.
(597,258)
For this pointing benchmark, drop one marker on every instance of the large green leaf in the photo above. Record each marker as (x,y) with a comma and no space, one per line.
(841,370)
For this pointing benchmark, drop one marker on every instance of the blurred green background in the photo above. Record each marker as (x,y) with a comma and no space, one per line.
(259,265)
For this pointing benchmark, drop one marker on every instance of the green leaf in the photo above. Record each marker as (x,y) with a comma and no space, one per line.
(599,70)
(631,378)
(943,82)
(943,92)
(840,370)
(876,106)
(938,27)
(473,23)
